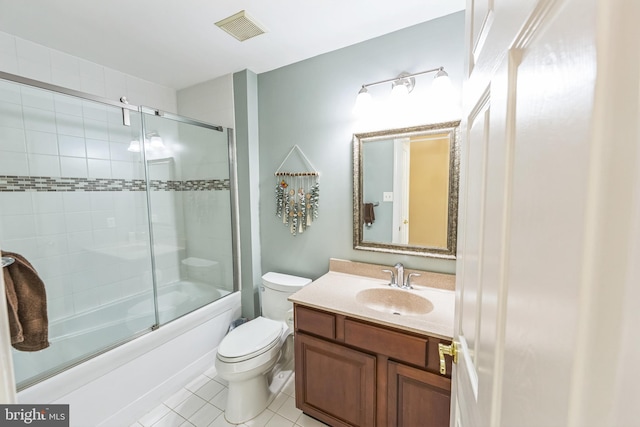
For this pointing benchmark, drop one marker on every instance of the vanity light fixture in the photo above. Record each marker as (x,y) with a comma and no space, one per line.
(401,86)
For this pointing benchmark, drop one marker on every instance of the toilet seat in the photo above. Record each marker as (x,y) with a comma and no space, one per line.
(250,339)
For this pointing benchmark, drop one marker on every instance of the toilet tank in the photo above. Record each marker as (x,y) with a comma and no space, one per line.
(277,287)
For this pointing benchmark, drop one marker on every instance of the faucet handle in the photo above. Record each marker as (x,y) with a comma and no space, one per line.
(408,284)
(393,278)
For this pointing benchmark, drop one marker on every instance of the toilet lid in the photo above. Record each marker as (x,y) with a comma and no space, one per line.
(250,339)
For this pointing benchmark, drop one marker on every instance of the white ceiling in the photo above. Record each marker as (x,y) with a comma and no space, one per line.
(175,42)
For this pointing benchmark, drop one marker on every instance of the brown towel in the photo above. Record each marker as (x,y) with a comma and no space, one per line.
(368,216)
(26,304)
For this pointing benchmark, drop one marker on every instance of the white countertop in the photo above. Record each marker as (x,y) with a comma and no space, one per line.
(336,292)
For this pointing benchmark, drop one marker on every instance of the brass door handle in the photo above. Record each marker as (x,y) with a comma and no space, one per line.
(450,350)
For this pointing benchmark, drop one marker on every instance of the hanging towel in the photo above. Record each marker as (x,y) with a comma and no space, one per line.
(369,215)
(26,304)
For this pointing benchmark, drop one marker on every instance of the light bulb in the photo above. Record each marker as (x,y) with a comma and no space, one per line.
(155,142)
(134,146)
(399,91)
(441,86)
(399,94)
(363,102)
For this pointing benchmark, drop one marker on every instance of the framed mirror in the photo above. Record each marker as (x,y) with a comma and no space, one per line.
(405,190)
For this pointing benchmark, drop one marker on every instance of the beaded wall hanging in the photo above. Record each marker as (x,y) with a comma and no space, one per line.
(297,195)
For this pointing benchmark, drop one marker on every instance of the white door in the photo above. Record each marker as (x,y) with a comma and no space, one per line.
(401,170)
(530,233)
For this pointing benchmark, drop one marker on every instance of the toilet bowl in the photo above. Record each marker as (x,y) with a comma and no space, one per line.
(250,353)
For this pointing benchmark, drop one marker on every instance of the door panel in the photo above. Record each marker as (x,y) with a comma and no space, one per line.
(481,18)
(528,104)
(469,273)
(417,398)
(476,147)
(334,383)
(552,122)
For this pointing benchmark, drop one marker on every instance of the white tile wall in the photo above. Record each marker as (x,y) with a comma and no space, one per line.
(12,139)
(28,59)
(14,163)
(46,202)
(34,60)
(56,136)
(42,142)
(39,120)
(8,55)
(11,115)
(65,70)
(43,165)
(45,134)
(98,168)
(73,146)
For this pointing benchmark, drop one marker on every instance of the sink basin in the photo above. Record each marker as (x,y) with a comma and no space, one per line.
(394,301)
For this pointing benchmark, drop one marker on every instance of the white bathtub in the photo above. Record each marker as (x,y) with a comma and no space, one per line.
(74,338)
(117,387)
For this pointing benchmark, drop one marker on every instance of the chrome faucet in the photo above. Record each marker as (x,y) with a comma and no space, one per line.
(398,280)
(399,274)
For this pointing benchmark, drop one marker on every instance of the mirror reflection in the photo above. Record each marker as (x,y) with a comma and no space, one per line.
(406,190)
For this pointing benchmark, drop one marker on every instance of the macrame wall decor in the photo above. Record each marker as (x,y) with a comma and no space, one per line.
(297,195)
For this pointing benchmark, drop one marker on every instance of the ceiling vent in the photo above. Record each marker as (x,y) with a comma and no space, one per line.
(241,26)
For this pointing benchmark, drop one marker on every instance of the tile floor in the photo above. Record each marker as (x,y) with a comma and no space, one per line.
(201,404)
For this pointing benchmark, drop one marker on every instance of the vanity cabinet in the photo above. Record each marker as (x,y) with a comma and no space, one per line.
(350,372)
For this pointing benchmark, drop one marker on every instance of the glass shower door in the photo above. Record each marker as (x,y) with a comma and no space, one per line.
(190,209)
(73,203)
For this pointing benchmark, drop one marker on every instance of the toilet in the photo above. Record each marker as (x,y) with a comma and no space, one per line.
(249,354)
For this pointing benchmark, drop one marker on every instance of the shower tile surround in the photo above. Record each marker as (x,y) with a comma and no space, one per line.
(68,182)
(41,183)
(73,201)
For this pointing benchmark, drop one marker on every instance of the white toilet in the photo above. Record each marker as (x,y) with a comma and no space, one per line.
(249,355)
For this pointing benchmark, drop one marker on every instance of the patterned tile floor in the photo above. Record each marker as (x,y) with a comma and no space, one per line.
(201,404)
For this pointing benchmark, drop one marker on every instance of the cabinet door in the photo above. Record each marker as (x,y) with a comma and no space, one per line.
(417,398)
(333,383)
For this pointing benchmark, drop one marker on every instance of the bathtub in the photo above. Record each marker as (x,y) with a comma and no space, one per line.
(77,337)
(119,386)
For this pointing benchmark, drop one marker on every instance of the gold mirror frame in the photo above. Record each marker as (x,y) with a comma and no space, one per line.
(454,175)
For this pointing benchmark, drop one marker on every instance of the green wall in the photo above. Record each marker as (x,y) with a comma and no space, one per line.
(310,104)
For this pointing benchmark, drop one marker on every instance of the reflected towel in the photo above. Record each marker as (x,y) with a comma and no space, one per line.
(26,304)
(368,215)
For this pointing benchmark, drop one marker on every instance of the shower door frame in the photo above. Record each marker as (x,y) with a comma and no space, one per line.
(233,187)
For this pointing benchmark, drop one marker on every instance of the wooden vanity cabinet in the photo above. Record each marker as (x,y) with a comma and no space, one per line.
(353,373)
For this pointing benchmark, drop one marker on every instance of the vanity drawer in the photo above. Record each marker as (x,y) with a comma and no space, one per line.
(315,322)
(396,345)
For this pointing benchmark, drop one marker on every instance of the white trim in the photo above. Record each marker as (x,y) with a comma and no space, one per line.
(7,378)
(469,365)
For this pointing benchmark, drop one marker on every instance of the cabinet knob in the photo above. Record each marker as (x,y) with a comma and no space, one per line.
(449,350)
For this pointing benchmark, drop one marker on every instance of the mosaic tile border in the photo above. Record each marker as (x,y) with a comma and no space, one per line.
(14,183)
